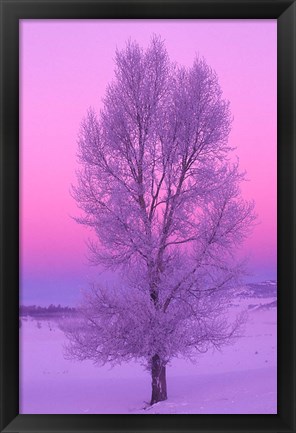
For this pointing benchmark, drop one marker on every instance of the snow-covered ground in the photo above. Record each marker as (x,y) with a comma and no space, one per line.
(240,379)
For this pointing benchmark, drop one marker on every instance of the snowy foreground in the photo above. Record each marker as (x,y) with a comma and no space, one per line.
(241,379)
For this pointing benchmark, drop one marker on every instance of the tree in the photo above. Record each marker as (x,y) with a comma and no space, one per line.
(159,190)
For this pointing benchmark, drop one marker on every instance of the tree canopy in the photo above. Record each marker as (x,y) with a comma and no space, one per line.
(160,188)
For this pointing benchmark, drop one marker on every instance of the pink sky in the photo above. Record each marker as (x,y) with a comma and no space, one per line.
(65,66)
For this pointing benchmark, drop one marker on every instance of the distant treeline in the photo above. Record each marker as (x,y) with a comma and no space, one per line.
(36,310)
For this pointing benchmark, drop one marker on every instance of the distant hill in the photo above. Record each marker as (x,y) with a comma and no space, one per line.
(264,289)
(50,311)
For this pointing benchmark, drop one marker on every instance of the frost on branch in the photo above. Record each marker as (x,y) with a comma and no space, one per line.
(116,327)
(159,188)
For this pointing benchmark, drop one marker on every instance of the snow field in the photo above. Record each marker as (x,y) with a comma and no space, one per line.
(241,379)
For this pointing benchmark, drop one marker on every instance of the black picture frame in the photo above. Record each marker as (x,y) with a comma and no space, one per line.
(11,12)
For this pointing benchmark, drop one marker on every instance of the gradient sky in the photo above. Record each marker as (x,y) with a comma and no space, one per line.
(65,66)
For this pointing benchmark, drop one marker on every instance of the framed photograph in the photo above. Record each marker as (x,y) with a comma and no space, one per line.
(147,216)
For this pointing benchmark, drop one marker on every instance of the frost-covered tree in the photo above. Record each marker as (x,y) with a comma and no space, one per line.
(159,190)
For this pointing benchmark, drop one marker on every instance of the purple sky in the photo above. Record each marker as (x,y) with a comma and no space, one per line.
(65,67)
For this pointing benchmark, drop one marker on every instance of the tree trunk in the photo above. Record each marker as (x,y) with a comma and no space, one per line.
(158,373)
